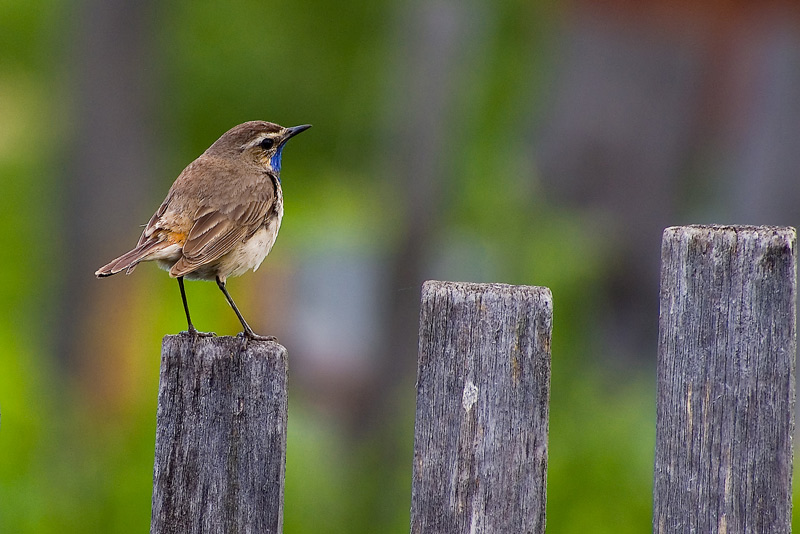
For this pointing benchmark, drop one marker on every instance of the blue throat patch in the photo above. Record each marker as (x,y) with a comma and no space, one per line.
(275,161)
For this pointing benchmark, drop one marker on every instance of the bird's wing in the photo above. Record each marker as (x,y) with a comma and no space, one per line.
(155,224)
(215,232)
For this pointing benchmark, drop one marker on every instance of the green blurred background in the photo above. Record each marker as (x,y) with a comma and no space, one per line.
(529,142)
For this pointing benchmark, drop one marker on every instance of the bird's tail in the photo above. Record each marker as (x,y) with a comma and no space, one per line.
(128,261)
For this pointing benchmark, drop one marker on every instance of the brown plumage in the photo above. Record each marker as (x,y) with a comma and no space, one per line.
(222,214)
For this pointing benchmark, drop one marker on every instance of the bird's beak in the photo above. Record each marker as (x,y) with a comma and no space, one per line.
(294,130)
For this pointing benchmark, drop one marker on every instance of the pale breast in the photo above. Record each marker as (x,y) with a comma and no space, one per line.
(249,254)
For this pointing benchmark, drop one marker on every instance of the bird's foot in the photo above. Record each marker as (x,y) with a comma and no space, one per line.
(248,335)
(192,331)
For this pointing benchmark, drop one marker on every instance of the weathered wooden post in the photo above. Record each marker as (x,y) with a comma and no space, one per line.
(220,437)
(483,388)
(726,386)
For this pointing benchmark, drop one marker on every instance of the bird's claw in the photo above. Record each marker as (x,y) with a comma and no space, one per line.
(255,337)
(192,331)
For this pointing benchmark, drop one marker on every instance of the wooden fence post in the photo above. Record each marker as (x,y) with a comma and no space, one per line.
(726,386)
(220,437)
(483,388)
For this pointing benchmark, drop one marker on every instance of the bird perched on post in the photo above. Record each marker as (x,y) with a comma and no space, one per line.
(221,216)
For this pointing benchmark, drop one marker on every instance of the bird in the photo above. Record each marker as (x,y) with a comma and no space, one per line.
(220,217)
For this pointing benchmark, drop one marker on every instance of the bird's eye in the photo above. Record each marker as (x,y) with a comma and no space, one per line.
(266,143)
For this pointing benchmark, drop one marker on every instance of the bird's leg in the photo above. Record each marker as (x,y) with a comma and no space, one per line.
(192,330)
(248,332)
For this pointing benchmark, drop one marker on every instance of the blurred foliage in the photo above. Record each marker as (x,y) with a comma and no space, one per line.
(71,463)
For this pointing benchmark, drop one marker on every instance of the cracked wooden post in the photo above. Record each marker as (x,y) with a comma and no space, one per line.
(220,437)
(483,388)
(726,386)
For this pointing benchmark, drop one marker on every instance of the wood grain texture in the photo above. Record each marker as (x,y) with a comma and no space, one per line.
(220,437)
(483,388)
(726,386)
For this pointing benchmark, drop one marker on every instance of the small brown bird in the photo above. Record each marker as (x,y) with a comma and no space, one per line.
(221,216)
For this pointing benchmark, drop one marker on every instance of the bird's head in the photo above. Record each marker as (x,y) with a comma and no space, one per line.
(258,142)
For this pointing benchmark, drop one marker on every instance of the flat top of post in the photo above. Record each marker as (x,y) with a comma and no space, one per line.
(224,345)
(473,287)
(786,232)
